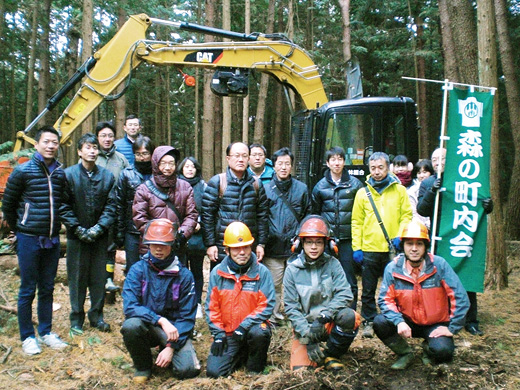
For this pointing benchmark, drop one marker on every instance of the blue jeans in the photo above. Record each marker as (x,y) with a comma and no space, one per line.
(38,268)
(374,264)
(350,267)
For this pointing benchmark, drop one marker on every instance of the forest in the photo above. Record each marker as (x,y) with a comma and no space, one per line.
(43,43)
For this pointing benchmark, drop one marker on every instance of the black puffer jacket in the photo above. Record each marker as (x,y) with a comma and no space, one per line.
(426,198)
(90,200)
(283,225)
(335,202)
(127,184)
(240,202)
(33,197)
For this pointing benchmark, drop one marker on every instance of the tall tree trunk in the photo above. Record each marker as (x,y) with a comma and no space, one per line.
(258,136)
(120,104)
(487,63)
(226,101)
(86,51)
(31,65)
(420,69)
(2,18)
(512,214)
(347,54)
(245,105)
(279,137)
(451,71)
(208,139)
(44,79)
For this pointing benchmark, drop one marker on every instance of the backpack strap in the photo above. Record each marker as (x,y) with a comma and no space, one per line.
(223,184)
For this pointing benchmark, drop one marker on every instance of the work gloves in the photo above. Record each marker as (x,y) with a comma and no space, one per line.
(437,184)
(487,204)
(315,353)
(317,331)
(81,233)
(396,242)
(239,334)
(180,241)
(119,240)
(358,256)
(219,346)
(89,235)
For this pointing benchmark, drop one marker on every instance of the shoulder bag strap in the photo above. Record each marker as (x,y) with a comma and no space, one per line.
(379,220)
(164,197)
(286,201)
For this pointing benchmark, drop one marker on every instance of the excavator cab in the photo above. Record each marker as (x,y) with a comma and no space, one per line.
(361,127)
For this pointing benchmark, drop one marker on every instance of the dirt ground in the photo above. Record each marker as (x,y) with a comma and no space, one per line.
(100,361)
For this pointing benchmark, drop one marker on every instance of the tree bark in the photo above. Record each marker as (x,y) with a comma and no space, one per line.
(258,136)
(86,51)
(120,104)
(347,54)
(226,101)
(451,71)
(245,103)
(44,80)
(31,66)
(487,64)
(512,214)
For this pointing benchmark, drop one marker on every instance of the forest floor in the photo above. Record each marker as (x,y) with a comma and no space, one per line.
(100,360)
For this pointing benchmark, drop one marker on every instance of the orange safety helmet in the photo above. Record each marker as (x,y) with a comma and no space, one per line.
(237,234)
(415,229)
(314,226)
(160,231)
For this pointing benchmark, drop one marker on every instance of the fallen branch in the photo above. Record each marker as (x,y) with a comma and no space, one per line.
(14,310)
(6,354)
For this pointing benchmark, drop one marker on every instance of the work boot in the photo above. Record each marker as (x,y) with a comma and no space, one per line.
(141,377)
(368,330)
(110,286)
(426,354)
(332,364)
(400,346)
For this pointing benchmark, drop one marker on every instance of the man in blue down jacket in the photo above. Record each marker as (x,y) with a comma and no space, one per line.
(243,199)
(88,213)
(284,220)
(32,199)
(333,198)
(159,303)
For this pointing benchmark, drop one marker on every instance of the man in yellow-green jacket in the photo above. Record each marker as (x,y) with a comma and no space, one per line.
(371,249)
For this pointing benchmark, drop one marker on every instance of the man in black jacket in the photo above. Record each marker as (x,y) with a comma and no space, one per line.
(88,213)
(289,203)
(234,196)
(31,204)
(333,198)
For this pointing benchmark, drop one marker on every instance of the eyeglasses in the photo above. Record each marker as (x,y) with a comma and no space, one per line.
(257,155)
(320,242)
(106,136)
(169,164)
(237,156)
(144,154)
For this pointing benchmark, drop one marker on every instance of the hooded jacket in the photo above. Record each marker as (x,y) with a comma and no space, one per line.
(112,160)
(170,293)
(148,206)
(393,205)
(235,300)
(334,202)
(311,287)
(437,296)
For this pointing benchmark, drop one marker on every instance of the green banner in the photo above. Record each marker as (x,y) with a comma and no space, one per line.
(463,223)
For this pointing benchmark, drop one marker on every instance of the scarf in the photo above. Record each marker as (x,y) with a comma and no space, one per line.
(379,186)
(193,181)
(240,269)
(283,185)
(158,263)
(405,178)
(143,167)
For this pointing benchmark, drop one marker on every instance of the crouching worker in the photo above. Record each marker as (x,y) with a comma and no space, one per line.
(420,296)
(317,300)
(239,302)
(160,304)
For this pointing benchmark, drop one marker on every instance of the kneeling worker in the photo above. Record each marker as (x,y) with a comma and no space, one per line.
(420,296)
(239,302)
(160,304)
(317,300)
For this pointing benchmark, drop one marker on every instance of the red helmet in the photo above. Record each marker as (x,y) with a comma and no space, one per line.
(160,231)
(314,226)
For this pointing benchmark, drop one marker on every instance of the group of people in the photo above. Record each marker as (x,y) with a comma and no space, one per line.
(277,251)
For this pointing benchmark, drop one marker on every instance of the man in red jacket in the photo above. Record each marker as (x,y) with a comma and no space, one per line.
(239,302)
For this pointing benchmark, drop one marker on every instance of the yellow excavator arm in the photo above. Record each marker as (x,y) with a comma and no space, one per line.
(112,64)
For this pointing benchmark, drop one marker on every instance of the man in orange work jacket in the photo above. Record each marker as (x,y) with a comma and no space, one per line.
(239,303)
(420,296)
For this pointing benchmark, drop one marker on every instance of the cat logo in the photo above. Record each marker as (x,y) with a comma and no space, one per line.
(211,56)
(204,57)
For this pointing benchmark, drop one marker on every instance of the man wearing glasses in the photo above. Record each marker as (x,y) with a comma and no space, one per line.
(132,128)
(260,166)
(115,162)
(235,195)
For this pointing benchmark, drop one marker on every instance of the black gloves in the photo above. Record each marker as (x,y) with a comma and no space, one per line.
(219,346)
(94,232)
(119,239)
(325,317)
(315,353)
(81,233)
(487,204)
(180,241)
(436,185)
(317,331)
(239,334)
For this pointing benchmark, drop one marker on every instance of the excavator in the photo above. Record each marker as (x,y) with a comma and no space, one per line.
(360,125)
